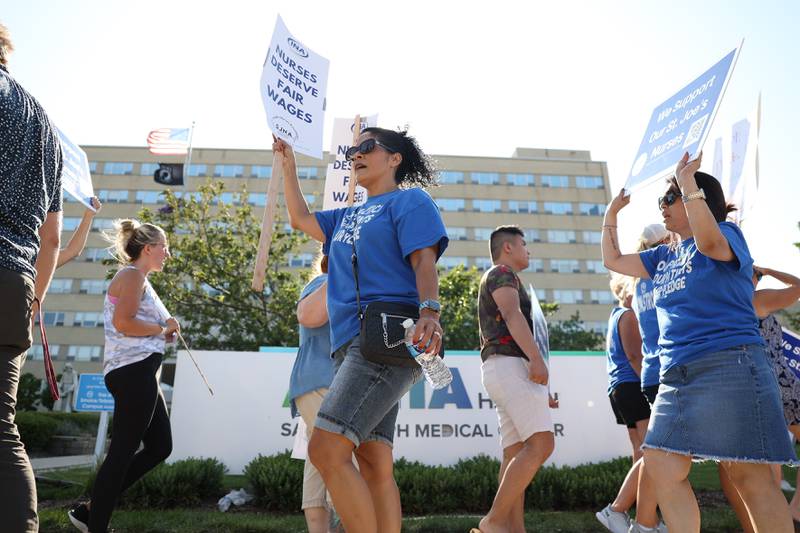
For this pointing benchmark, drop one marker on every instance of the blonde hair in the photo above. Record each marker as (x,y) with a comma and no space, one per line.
(129,238)
(6,46)
(621,286)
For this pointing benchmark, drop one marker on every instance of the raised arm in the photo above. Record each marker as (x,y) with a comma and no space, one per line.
(705,229)
(767,301)
(613,258)
(78,240)
(312,311)
(300,217)
(507,300)
(631,340)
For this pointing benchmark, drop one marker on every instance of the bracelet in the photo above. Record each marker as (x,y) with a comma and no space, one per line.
(163,330)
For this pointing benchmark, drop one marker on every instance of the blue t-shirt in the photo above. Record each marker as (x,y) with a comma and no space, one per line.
(313,367)
(703,306)
(645,310)
(389,227)
(617,364)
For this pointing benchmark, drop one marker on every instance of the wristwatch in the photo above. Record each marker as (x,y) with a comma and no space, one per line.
(696,195)
(433,305)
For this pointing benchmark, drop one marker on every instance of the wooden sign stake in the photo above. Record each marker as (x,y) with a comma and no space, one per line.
(267,224)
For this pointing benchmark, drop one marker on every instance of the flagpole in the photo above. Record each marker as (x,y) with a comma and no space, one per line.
(188,160)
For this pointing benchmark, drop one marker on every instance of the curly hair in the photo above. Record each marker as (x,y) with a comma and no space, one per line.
(416,169)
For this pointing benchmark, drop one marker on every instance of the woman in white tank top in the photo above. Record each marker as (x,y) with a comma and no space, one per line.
(136,334)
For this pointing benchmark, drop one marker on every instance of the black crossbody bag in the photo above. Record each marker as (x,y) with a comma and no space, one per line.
(382,337)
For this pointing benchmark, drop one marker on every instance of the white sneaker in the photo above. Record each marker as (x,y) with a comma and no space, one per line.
(636,527)
(785,486)
(614,521)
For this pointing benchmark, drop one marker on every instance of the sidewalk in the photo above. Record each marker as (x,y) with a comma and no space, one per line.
(44,464)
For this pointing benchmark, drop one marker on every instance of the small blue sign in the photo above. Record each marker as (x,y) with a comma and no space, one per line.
(680,124)
(791,350)
(92,394)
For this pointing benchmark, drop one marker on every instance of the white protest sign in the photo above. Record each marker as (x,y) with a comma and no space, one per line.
(293,84)
(338,176)
(76,179)
(540,332)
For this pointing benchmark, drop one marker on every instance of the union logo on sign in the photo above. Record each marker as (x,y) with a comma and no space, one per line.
(298,48)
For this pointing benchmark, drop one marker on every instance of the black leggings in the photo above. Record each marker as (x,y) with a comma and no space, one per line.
(140,416)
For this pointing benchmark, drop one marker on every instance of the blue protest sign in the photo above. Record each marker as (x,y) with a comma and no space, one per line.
(92,394)
(791,350)
(76,178)
(681,124)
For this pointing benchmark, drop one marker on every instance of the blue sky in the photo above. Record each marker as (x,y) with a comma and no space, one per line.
(469,78)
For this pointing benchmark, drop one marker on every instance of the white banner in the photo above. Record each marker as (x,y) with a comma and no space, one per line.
(76,179)
(249,415)
(337,179)
(294,80)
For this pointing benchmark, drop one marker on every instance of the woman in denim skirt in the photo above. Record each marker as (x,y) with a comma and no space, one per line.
(397,235)
(718,398)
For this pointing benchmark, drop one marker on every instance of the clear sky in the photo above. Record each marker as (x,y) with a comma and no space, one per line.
(469,78)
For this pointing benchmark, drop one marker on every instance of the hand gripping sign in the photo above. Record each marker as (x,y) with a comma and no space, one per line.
(681,124)
(293,84)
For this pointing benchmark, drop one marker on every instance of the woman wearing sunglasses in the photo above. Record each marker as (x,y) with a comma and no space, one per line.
(397,236)
(718,398)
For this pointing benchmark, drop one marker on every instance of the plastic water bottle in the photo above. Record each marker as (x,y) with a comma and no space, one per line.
(436,372)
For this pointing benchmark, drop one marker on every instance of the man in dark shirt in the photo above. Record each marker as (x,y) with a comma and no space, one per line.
(515,375)
(30,226)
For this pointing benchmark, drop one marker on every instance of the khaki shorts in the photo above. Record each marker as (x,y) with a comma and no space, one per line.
(314,491)
(523,407)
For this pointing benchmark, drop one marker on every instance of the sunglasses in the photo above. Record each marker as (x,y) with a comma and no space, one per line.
(366,147)
(668,199)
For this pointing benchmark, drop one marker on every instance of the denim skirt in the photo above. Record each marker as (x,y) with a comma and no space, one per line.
(363,400)
(722,406)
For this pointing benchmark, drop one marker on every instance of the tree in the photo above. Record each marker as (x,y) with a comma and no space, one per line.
(571,335)
(458,293)
(206,283)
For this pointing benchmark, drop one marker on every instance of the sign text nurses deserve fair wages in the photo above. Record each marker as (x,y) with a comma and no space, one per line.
(293,84)
(681,124)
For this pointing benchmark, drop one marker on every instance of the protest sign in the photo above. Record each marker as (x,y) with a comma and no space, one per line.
(76,179)
(540,332)
(791,350)
(293,84)
(681,124)
(337,178)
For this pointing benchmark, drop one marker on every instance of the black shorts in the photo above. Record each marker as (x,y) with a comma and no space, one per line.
(650,392)
(629,404)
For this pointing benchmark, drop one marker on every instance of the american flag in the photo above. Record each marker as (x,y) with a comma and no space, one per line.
(168,141)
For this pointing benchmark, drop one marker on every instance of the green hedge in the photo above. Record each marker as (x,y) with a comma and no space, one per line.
(37,428)
(468,486)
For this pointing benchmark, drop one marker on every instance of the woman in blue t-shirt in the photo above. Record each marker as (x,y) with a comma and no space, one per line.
(398,236)
(718,398)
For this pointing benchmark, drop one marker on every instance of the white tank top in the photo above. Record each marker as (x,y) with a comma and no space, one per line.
(122,350)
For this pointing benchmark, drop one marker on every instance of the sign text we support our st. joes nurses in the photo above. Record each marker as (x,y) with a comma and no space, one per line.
(681,124)
(293,85)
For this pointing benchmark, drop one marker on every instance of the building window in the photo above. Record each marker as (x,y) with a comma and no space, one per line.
(595,267)
(68,198)
(147,197)
(115,168)
(449,263)
(592,237)
(257,198)
(301,260)
(483,263)
(228,198)
(535,265)
(451,177)
(60,286)
(592,209)
(558,208)
(561,236)
(92,166)
(228,171)
(520,180)
(564,266)
(101,224)
(450,204)
(602,297)
(568,296)
(533,235)
(197,170)
(589,182)
(261,171)
(148,169)
(95,255)
(93,286)
(457,233)
(482,234)
(555,181)
(52,318)
(36,352)
(310,199)
(541,294)
(307,173)
(515,206)
(112,196)
(196,196)
(486,178)
(88,320)
(486,206)
(70,223)
(83,353)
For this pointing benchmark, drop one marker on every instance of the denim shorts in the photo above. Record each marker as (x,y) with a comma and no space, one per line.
(722,406)
(363,400)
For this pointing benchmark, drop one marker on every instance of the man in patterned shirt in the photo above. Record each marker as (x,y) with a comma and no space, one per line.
(30,226)
(515,375)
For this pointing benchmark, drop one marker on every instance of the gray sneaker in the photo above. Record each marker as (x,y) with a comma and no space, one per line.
(614,521)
